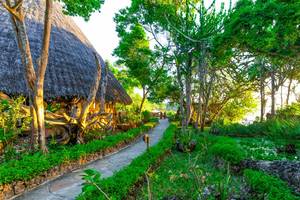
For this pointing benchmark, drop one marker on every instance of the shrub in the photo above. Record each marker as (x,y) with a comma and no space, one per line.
(30,166)
(12,122)
(119,185)
(274,128)
(172,116)
(146,115)
(289,111)
(154,119)
(227,149)
(267,186)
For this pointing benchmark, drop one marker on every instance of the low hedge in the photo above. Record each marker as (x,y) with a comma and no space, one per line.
(118,186)
(274,128)
(30,166)
(228,150)
(267,186)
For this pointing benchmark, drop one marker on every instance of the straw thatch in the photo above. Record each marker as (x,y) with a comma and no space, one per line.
(71,67)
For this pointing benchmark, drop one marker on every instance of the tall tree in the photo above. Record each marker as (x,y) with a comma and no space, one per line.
(144,65)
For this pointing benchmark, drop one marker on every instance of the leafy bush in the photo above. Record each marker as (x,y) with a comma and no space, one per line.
(227,149)
(146,115)
(30,166)
(289,111)
(267,186)
(12,122)
(118,185)
(274,128)
(172,116)
(154,119)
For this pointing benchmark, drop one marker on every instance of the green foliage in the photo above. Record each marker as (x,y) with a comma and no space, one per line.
(274,128)
(53,107)
(82,8)
(122,74)
(154,119)
(265,149)
(227,149)
(275,21)
(267,186)
(146,115)
(289,111)
(190,176)
(30,166)
(118,186)
(12,119)
(237,108)
(185,138)
(135,53)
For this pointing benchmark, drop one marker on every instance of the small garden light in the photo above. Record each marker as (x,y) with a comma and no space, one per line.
(146,139)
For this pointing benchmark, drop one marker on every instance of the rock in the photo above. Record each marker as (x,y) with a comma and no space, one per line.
(19,187)
(289,149)
(288,171)
(8,191)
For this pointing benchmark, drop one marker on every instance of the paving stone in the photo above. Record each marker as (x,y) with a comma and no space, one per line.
(68,186)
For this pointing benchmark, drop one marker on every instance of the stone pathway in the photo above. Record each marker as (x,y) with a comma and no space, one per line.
(68,186)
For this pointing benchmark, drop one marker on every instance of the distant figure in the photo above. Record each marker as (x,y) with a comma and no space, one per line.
(165,115)
(160,115)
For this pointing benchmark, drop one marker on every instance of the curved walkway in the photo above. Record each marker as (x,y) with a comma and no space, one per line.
(68,186)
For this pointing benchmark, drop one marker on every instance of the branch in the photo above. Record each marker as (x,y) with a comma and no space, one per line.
(14,10)
(180,32)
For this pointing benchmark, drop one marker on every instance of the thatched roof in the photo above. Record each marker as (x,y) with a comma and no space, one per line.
(71,67)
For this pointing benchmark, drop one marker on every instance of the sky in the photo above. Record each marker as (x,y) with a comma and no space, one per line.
(100,29)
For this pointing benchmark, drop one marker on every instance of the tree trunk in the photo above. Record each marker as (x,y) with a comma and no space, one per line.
(188,89)
(82,120)
(181,97)
(143,100)
(201,66)
(209,89)
(262,94)
(273,91)
(288,92)
(34,140)
(39,86)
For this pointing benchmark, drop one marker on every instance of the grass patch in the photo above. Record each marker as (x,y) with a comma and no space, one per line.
(267,186)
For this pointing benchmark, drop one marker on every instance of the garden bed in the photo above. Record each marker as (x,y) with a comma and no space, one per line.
(18,176)
(216,170)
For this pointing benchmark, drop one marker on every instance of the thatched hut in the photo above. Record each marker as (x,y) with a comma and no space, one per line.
(71,68)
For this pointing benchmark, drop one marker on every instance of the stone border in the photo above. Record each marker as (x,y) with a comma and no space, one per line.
(15,189)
